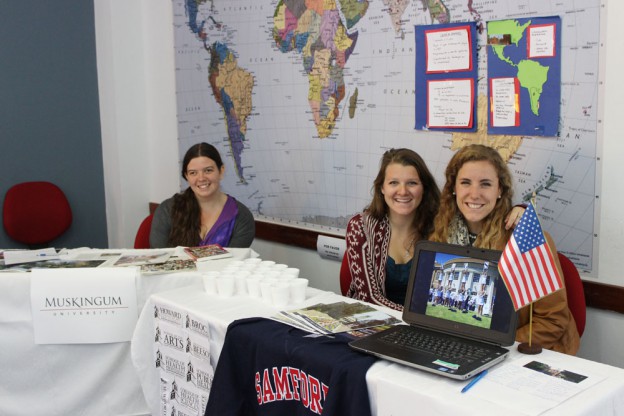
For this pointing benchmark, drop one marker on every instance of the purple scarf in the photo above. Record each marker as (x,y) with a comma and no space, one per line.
(221,231)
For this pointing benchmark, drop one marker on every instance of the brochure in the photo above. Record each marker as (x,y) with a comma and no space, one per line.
(153,257)
(170,266)
(209,252)
(336,317)
(50,264)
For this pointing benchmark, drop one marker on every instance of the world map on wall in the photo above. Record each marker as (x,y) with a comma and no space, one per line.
(303,97)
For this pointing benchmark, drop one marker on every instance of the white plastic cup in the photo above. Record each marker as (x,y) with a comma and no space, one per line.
(231,268)
(210,282)
(271,274)
(292,271)
(265,289)
(285,277)
(298,288)
(265,263)
(279,267)
(280,295)
(241,284)
(253,286)
(226,285)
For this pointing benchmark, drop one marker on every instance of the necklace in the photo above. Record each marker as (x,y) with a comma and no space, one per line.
(408,249)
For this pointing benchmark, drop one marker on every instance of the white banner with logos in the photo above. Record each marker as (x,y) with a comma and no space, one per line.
(84,305)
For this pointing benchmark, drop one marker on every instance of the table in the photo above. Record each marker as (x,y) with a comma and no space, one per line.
(391,386)
(89,379)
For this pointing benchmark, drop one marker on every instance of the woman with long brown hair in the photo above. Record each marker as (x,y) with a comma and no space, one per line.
(474,202)
(202,214)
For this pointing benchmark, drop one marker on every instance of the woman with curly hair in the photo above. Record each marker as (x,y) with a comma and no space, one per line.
(202,214)
(380,240)
(474,202)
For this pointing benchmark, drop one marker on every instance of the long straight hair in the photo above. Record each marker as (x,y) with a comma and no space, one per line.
(185,212)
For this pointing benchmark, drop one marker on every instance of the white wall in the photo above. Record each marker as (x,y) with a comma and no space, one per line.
(137,99)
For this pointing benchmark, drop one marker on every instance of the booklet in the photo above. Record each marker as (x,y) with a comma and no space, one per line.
(209,252)
(336,317)
(170,266)
(153,257)
(50,264)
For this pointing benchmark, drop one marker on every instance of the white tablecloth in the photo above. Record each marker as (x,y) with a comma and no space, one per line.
(392,387)
(81,379)
(218,312)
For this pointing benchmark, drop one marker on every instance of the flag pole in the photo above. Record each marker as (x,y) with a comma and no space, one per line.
(530,323)
(530,348)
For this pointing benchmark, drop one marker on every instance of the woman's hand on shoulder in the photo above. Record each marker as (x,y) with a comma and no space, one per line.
(514,216)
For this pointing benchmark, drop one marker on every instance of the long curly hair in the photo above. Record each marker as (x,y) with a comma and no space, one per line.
(426,211)
(185,212)
(493,234)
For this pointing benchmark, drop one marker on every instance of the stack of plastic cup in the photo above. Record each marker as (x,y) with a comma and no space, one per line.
(274,284)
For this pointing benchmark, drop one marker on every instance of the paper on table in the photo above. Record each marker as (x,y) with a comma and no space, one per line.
(29,256)
(509,388)
(538,383)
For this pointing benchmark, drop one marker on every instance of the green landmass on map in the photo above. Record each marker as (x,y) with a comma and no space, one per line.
(531,74)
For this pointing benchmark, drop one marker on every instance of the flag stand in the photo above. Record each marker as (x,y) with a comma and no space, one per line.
(530,348)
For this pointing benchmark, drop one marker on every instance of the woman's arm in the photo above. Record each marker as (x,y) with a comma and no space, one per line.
(244,228)
(161,225)
(366,279)
(553,325)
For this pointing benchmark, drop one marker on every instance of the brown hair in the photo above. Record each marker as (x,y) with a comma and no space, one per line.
(185,212)
(423,218)
(493,234)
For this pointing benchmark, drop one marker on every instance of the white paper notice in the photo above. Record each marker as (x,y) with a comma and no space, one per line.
(503,102)
(450,103)
(541,41)
(84,305)
(330,248)
(449,50)
(29,256)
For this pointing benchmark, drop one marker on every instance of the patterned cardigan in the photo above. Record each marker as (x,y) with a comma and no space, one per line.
(367,241)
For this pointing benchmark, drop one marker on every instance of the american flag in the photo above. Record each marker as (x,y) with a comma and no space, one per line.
(527,264)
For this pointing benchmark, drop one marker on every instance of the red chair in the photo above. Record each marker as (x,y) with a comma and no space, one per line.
(142,239)
(345,276)
(575,292)
(36,213)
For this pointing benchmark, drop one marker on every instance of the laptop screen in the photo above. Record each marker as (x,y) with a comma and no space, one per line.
(458,290)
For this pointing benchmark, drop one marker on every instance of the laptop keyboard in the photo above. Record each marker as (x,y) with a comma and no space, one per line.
(435,344)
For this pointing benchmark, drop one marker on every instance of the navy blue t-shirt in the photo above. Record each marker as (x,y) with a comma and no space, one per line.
(270,368)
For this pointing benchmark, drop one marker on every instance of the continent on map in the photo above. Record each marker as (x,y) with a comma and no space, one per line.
(396,8)
(232,87)
(506,145)
(531,74)
(314,29)
(437,10)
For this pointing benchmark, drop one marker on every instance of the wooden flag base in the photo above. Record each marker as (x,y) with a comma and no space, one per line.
(529,349)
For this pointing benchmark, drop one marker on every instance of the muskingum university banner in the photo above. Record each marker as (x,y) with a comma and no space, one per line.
(83,305)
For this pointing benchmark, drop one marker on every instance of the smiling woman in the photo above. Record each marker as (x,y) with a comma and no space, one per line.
(380,240)
(474,202)
(202,214)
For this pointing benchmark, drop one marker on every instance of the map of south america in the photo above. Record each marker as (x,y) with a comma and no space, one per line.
(231,85)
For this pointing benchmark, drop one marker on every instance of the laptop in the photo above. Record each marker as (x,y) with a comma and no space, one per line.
(458,309)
